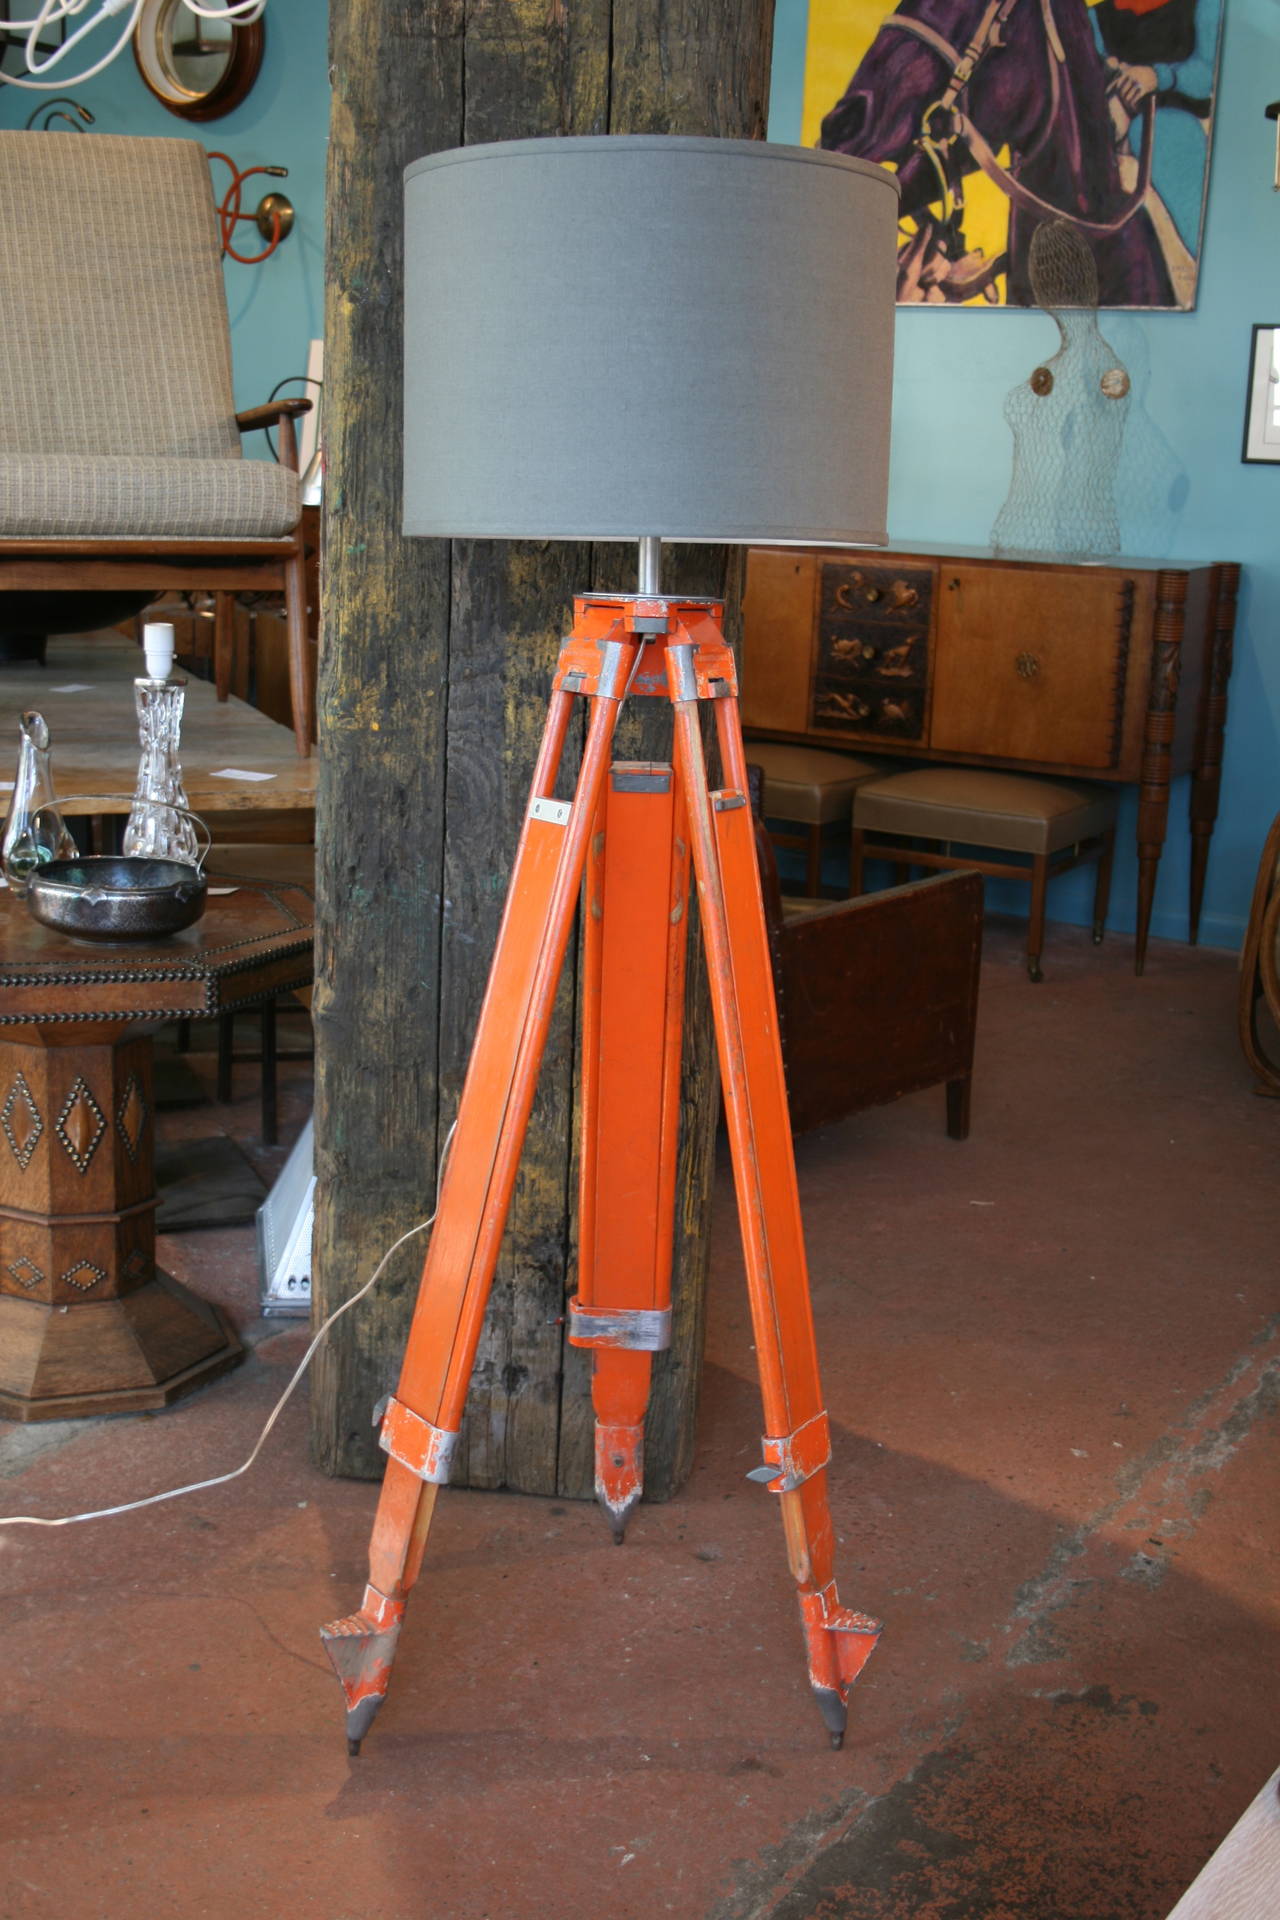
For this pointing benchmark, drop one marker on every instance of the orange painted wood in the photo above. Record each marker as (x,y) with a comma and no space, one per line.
(633,974)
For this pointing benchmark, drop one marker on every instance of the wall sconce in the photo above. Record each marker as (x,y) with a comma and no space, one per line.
(273,215)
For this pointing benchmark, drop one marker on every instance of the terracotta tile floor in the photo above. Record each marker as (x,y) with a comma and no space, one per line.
(1051,1360)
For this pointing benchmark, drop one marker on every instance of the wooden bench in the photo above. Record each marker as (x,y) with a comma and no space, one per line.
(1051,825)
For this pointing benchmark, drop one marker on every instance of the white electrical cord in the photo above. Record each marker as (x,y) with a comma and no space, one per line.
(221,1479)
(53,11)
(246,10)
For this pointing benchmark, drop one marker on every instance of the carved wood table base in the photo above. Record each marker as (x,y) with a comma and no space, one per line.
(88,1322)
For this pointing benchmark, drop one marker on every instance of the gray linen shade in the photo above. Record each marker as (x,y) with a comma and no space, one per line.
(616,337)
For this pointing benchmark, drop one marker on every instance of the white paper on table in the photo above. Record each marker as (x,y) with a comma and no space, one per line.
(238,773)
(73,686)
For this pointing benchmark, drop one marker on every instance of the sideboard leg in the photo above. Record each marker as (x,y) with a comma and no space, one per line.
(1207,774)
(1157,743)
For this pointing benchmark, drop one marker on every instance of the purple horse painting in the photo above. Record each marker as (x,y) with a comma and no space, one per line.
(944,87)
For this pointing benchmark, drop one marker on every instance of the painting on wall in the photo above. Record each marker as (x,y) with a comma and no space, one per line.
(999,114)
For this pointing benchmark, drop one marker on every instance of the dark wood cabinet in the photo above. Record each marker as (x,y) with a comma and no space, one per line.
(1114,670)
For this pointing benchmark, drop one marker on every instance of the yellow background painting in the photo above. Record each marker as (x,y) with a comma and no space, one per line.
(840,31)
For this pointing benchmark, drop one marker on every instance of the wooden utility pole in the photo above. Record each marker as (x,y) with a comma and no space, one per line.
(435,670)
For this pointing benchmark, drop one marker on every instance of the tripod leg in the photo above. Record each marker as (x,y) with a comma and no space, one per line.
(632,1018)
(797,1440)
(420,1425)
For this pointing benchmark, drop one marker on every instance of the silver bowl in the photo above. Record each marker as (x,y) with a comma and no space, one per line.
(117,896)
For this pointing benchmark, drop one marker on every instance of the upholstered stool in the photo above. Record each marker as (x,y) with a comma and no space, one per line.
(811,787)
(1054,825)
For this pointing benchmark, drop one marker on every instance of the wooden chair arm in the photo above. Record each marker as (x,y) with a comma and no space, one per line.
(274,410)
(282,414)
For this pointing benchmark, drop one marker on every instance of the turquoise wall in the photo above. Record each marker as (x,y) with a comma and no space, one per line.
(951,448)
(1194,498)
(278,307)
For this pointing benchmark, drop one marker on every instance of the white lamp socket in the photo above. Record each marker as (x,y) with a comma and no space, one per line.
(157,644)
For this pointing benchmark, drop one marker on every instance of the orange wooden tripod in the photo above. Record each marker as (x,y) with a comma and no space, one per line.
(629,830)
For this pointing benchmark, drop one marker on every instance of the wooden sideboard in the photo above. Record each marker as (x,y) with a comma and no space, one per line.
(1110,670)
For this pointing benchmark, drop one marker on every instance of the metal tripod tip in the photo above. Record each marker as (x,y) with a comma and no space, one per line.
(361,1655)
(617,1515)
(834,1713)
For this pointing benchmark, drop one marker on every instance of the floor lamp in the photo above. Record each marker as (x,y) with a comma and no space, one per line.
(641,338)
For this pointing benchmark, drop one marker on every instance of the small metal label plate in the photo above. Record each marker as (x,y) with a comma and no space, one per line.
(556,811)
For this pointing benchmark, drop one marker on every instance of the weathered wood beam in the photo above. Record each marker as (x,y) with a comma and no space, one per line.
(436,662)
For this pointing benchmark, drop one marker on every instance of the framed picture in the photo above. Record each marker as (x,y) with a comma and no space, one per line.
(1262,400)
(1097,114)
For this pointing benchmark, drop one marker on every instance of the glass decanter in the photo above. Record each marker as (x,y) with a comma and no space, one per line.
(154,829)
(34,830)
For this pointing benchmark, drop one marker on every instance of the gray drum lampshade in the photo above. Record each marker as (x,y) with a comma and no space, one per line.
(615,337)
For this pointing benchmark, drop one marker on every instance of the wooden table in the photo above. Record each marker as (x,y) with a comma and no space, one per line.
(94,734)
(88,1322)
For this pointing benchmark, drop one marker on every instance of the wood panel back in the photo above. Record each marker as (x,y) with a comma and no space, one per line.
(1032,665)
(779,618)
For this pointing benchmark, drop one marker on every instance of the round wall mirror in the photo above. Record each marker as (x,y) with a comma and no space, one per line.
(199,69)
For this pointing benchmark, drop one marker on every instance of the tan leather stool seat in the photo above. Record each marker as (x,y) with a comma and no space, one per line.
(811,787)
(1024,829)
(1011,811)
(805,783)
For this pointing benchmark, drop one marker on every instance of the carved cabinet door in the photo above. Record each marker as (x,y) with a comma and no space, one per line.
(1031,664)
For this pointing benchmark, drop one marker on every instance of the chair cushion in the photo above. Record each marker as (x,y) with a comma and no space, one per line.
(804,783)
(106,497)
(1009,811)
(112,308)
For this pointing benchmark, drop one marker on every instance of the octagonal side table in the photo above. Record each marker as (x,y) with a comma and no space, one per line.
(88,1322)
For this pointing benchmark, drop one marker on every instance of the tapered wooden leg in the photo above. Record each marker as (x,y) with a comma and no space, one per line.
(797,1439)
(632,1016)
(1102,885)
(421,1421)
(224,611)
(857,861)
(813,862)
(301,678)
(1035,923)
(226,1055)
(958,1092)
(269,1101)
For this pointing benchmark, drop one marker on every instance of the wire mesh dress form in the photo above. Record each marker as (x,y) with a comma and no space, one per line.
(1068,419)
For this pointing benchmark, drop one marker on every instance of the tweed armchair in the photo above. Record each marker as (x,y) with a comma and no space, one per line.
(121,466)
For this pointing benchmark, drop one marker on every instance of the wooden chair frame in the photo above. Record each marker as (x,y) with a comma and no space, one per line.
(877,996)
(222,567)
(905,853)
(809,841)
